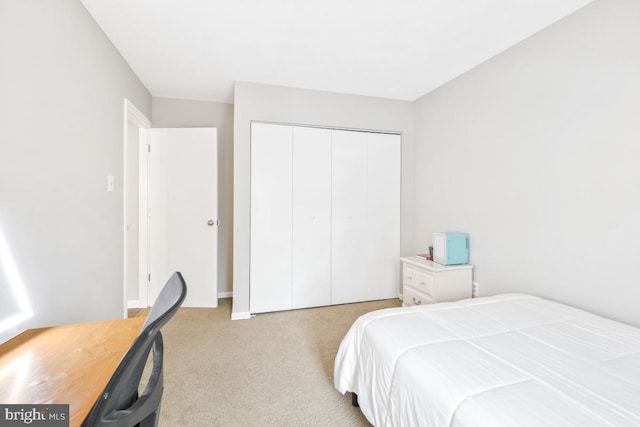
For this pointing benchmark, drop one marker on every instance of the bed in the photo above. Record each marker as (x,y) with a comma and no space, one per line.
(507,360)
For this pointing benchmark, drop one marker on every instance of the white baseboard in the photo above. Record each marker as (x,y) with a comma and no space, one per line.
(241,316)
(136,304)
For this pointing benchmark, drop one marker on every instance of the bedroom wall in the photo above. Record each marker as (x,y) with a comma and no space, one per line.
(63,86)
(535,154)
(186,113)
(254,101)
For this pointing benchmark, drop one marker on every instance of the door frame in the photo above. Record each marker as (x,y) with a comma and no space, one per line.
(134,116)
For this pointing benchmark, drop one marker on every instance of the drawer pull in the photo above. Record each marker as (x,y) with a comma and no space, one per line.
(410,278)
(416,302)
(423,283)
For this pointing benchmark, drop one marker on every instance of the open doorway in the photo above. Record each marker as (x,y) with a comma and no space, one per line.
(136,126)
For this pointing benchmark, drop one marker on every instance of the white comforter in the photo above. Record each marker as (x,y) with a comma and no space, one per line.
(508,360)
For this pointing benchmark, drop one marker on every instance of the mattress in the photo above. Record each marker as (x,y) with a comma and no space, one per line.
(507,360)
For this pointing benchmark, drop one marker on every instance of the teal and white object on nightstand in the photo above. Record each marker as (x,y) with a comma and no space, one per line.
(451,248)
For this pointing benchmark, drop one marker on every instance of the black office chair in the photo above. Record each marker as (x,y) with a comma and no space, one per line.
(119,405)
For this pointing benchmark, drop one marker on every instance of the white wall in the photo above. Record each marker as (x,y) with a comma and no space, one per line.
(62,85)
(536,154)
(306,107)
(171,113)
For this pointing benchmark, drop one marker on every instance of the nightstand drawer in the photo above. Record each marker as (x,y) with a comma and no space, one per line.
(411,297)
(420,280)
(425,282)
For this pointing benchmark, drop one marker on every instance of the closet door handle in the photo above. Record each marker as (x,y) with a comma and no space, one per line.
(416,302)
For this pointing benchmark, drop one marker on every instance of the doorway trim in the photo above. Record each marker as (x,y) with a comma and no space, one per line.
(134,116)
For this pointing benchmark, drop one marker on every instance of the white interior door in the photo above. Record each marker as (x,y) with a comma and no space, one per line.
(271,217)
(349,263)
(311,240)
(383,215)
(182,200)
(132,204)
(365,235)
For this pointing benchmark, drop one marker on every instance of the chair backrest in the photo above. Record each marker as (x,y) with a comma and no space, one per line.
(169,299)
(119,404)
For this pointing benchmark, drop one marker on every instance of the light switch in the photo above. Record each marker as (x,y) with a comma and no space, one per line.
(110,183)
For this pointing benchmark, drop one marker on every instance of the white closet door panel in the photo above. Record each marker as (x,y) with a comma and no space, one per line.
(311,256)
(271,217)
(349,212)
(383,220)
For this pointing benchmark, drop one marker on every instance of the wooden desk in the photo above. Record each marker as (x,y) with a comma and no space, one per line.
(64,364)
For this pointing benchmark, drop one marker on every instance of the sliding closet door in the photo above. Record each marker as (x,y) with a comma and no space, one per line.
(271,217)
(325,217)
(383,219)
(311,255)
(349,218)
(365,216)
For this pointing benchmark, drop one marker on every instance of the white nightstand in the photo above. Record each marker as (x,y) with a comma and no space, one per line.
(426,282)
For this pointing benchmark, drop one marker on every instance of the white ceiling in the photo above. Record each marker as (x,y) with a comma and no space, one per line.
(399,49)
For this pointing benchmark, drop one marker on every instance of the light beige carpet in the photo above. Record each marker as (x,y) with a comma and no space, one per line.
(275,369)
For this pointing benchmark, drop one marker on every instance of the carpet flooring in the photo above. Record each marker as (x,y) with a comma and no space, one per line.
(275,369)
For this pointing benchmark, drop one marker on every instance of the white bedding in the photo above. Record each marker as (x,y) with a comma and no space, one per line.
(508,360)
